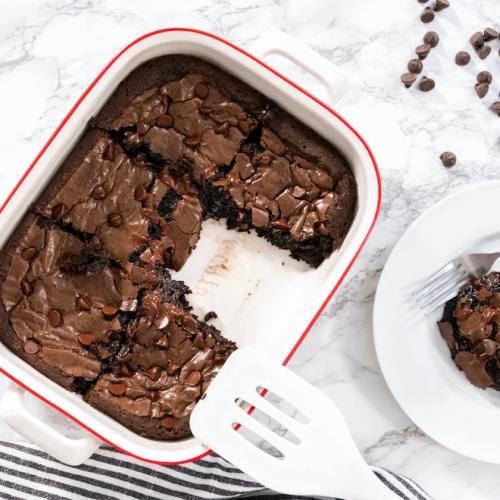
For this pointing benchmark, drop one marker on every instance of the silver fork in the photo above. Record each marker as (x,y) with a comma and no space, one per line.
(445,283)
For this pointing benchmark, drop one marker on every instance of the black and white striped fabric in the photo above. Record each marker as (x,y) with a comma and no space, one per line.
(27,473)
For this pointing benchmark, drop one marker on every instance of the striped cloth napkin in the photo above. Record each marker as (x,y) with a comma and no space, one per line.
(27,473)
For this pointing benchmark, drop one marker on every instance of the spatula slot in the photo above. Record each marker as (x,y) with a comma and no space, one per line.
(258,441)
(283,405)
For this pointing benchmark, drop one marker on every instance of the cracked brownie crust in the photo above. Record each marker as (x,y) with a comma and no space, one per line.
(87,295)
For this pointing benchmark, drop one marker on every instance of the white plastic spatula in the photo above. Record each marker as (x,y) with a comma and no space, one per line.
(324,462)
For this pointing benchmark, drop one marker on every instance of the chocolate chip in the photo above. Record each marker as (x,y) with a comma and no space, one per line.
(172,368)
(222,129)
(140,193)
(191,141)
(415,66)
(408,79)
(477,40)
(219,358)
(98,193)
(169,422)
(496,107)
(490,34)
(441,5)
(162,342)
(28,253)
(484,52)
(298,192)
(484,77)
(210,315)
(109,312)
(54,318)
(482,89)
(422,51)
(448,159)
(115,220)
(31,346)
(209,341)
(199,341)
(244,127)
(83,304)
(154,373)
(427,15)
(26,287)
(193,379)
(432,38)
(125,370)
(58,211)
(109,152)
(200,90)
(280,224)
(165,121)
(117,389)
(426,84)
(205,110)
(86,339)
(142,128)
(462,58)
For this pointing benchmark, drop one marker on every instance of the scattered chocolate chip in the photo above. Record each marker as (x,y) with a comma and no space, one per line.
(28,253)
(490,34)
(86,339)
(109,312)
(496,107)
(162,342)
(415,66)
(244,127)
(484,77)
(54,318)
(199,342)
(200,90)
(140,193)
(280,224)
(31,346)
(142,128)
(427,15)
(484,52)
(426,84)
(462,58)
(477,40)
(109,152)
(205,110)
(26,287)
(408,79)
(219,358)
(448,159)
(172,368)
(117,389)
(432,38)
(165,121)
(193,379)
(222,129)
(209,341)
(191,141)
(482,89)
(154,373)
(58,211)
(98,193)
(83,304)
(298,192)
(210,315)
(169,422)
(115,220)
(441,5)
(422,51)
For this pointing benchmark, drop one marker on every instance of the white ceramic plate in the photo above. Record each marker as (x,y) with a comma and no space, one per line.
(415,360)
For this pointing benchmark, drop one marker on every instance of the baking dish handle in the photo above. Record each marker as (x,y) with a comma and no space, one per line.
(280,43)
(66,450)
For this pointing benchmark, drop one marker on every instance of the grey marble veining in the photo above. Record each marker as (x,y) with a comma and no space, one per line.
(51,51)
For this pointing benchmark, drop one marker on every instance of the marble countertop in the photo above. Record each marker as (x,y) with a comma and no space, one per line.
(51,51)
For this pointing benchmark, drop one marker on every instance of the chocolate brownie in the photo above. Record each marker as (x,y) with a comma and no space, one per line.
(470,327)
(87,295)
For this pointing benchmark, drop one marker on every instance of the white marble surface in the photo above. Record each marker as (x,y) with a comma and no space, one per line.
(50,52)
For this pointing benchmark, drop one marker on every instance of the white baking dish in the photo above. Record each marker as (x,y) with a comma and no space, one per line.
(259,301)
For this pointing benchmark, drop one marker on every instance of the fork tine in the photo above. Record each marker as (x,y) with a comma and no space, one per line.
(451,287)
(444,270)
(440,283)
(442,301)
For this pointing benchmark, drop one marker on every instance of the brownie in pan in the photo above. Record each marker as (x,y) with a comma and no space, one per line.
(87,294)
